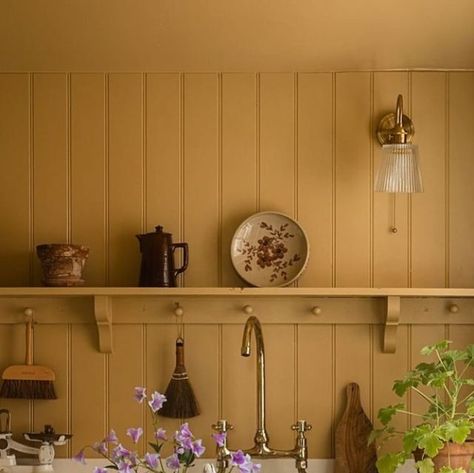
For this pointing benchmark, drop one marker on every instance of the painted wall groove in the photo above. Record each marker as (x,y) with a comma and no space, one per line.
(447,263)
(334,183)
(258,154)
(144,103)
(107,178)
(69,189)
(31,178)
(371,183)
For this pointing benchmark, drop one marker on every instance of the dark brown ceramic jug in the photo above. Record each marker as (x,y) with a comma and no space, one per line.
(157,267)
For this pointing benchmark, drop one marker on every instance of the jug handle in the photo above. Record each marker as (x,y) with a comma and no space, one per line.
(184,246)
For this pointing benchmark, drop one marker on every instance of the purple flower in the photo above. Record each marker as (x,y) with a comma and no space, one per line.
(140,394)
(197,448)
(151,459)
(99,469)
(112,437)
(157,401)
(220,439)
(124,467)
(238,458)
(120,452)
(80,457)
(183,434)
(160,434)
(172,462)
(100,447)
(135,434)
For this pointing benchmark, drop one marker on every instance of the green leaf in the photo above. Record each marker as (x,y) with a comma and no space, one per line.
(410,440)
(448,469)
(459,430)
(430,443)
(388,463)
(401,386)
(454,355)
(374,435)
(386,413)
(156,446)
(425,466)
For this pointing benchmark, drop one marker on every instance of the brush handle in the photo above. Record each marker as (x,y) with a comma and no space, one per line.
(29,342)
(180,356)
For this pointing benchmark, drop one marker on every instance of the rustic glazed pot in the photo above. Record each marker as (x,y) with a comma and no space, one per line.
(62,264)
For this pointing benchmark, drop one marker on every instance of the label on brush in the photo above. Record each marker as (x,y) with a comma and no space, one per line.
(179,376)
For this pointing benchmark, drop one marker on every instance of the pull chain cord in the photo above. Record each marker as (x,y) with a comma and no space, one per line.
(394,228)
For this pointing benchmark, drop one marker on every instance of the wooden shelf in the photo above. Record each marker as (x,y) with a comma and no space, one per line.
(390,306)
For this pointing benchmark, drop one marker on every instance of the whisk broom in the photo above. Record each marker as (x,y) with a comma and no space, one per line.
(28,381)
(180,402)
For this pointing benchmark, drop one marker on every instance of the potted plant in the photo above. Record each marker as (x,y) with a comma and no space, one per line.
(440,438)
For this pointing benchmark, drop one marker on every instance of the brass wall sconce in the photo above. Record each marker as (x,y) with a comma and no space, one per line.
(399,170)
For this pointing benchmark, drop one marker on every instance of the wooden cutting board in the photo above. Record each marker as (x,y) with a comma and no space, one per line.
(353,455)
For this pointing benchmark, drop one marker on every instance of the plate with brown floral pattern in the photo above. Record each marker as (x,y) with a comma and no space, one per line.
(269,249)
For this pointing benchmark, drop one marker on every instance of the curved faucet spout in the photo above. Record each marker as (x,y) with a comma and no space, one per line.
(261,437)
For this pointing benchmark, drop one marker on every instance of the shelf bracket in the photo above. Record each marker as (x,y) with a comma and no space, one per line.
(103,318)
(391,324)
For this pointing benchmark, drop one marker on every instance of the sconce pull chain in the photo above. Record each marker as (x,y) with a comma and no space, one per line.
(394,228)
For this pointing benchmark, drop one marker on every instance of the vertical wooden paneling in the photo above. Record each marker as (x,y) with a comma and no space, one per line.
(55,356)
(428,208)
(160,363)
(277,143)
(88,171)
(239,165)
(387,368)
(280,353)
(315,169)
(353,364)
(315,386)
(461,172)
(88,388)
(163,146)
(422,335)
(14,179)
(201,212)
(12,352)
(125,200)
(126,371)
(202,362)
(390,249)
(353,183)
(239,406)
(51,169)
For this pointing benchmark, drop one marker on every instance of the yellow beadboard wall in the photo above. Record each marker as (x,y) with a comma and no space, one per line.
(98,158)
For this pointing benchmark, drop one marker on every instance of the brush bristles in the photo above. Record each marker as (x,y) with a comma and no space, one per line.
(27,389)
(181,402)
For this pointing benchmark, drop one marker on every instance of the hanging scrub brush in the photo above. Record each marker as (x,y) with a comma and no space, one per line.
(28,381)
(180,402)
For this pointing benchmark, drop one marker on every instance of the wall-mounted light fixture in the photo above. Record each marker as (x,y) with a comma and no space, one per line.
(399,170)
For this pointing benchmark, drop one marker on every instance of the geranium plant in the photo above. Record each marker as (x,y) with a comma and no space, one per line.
(186,448)
(449,415)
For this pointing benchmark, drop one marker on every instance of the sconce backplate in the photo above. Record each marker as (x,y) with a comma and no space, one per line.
(386,125)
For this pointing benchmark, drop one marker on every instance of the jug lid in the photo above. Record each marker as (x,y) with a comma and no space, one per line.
(158,231)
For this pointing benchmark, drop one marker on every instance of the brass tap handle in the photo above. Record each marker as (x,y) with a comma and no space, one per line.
(222,426)
(301,426)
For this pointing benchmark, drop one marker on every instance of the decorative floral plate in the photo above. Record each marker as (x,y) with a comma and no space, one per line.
(269,249)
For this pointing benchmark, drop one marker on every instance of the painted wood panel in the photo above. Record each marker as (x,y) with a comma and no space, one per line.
(56,356)
(12,341)
(281,358)
(202,362)
(315,174)
(239,392)
(387,368)
(461,170)
(163,153)
(159,366)
(239,163)
(429,208)
(125,177)
(88,389)
(15,166)
(88,185)
(352,180)
(126,370)
(277,143)
(51,165)
(390,250)
(316,378)
(201,178)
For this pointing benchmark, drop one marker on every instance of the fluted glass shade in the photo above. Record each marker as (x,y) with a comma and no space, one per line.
(399,170)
